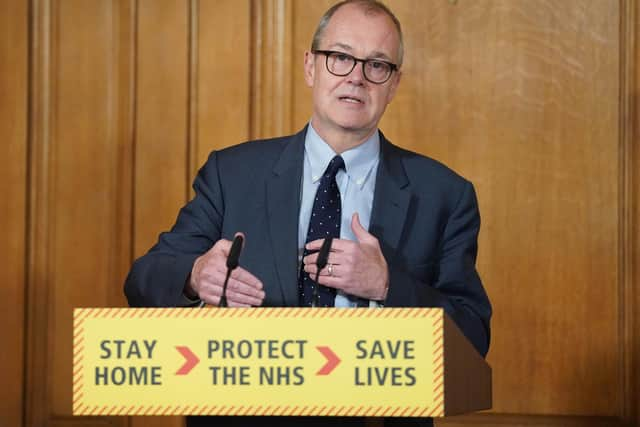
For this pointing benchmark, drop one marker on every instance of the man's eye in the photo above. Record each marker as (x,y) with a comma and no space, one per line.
(377,65)
(342,57)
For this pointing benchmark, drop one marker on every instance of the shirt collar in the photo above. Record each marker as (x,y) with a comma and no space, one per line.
(359,161)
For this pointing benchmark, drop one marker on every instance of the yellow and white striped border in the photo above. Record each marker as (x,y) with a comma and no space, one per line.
(437,316)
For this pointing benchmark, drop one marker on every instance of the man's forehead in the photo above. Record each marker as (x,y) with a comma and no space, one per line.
(347,48)
(369,33)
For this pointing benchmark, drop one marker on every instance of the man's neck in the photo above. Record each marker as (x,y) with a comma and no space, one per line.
(343,140)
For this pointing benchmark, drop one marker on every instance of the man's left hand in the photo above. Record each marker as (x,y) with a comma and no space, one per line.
(357,268)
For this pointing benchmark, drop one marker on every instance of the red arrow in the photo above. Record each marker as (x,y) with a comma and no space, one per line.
(191,360)
(332,360)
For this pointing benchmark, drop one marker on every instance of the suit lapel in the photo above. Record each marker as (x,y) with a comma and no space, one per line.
(283,207)
(391,200)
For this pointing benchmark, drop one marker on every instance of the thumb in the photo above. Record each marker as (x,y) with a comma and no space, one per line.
(361,234)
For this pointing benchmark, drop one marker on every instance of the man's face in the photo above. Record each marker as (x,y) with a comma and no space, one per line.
(351,103)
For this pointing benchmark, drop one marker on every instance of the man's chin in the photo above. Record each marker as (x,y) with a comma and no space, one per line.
(358,130)
(354,125)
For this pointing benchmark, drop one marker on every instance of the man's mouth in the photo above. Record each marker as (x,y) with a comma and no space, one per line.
(351,99)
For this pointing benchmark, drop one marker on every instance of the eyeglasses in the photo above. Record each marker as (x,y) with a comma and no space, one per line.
(341,64)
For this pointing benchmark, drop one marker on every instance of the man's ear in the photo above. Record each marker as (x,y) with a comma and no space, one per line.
(309,68)
(394,86)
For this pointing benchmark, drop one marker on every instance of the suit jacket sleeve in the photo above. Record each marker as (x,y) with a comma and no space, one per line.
(157,279)
(455,284)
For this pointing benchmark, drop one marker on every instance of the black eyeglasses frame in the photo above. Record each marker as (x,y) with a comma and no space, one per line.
(328,53)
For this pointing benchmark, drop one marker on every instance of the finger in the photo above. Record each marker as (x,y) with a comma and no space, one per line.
(331,282)
(243,288)
(343,285)
(311,258)
(211,299)
(222,246)
(337,245)
(237,304)
(241,234)
(315,245)
(359,231)
(210,278)
(239,292)
(313,268)
(333,258)
(236,299)
(242,275)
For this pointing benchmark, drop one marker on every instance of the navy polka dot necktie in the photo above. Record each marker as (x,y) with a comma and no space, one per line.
(324,222)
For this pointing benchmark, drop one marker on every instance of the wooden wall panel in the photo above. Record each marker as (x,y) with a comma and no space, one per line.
(272,68)
(630,124)
(223,91)
(84,161)
(13,209)
(531,100)
(305,16)
(161,113)
(522,98)
(629,213)
(80,125)
(162,152)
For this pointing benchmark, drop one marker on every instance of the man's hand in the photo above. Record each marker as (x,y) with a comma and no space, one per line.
(208,274)
(357,268)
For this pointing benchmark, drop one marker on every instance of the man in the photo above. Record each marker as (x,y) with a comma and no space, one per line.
(405,226)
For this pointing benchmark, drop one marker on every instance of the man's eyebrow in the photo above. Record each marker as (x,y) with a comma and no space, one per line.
(380,55)
(342,46)
(373,55)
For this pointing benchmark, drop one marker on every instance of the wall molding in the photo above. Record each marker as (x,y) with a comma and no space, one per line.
(192,107)
(272,55)
(37,384)
(628,216)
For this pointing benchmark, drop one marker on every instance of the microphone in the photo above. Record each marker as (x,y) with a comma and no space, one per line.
(232,263)
(234,252)
(321,262)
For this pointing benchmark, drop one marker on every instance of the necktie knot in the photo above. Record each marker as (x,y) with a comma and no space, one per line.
(335,165)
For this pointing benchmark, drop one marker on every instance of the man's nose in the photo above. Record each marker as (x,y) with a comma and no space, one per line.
(356,76)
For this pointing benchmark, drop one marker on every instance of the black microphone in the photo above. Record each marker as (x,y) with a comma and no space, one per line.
(321,262)
(232,263)
(234,252)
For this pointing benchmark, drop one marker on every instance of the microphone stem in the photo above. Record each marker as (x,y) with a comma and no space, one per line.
(314,298)
(223,298)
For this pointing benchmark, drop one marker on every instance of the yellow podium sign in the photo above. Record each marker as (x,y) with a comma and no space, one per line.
(259,361)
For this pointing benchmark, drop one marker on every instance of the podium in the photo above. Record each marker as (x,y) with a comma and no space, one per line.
(373,362)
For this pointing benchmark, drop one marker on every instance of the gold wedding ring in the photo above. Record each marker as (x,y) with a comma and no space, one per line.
(330,269)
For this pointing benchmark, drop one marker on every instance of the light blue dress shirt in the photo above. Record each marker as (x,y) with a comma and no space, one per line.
(356,185)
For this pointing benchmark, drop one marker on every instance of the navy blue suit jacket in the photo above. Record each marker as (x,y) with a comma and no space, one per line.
(424,215)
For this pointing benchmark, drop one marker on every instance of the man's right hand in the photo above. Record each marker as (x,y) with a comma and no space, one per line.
(208,274)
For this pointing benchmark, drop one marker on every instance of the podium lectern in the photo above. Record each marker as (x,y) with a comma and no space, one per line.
(382,362)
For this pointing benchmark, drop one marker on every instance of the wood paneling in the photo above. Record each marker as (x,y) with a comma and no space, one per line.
(37,286)
(533,101)
(161,112)
(273,68)
(631,123)
(223,76)
(80,123)
(84,163)
(522,98)
(162,128)
(306,15)
(13,209)
(629,191)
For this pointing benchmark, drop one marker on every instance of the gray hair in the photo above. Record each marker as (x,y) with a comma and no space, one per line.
(369,7)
